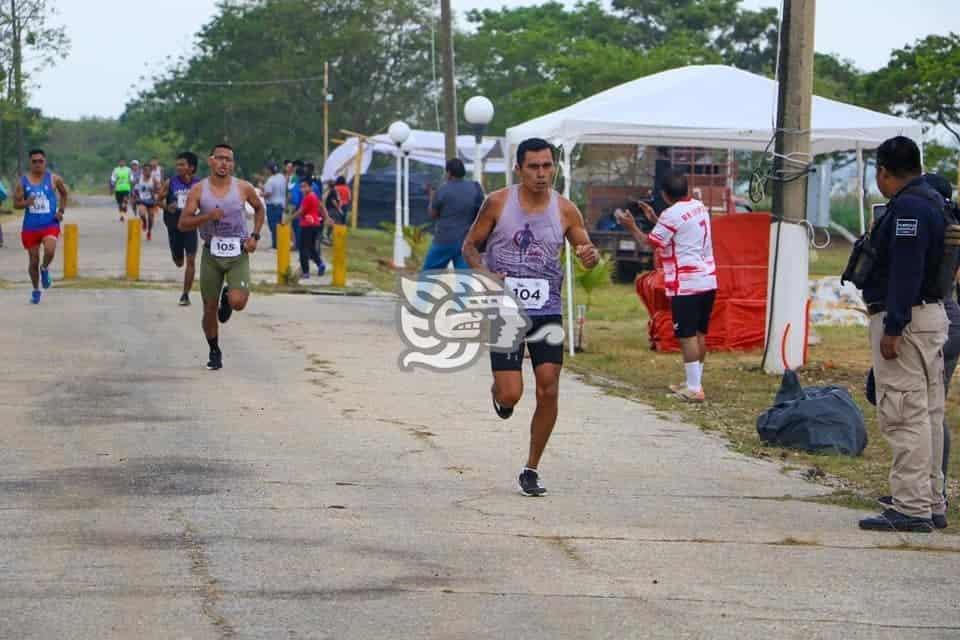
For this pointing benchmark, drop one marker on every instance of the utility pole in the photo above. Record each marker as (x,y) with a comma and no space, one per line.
(789,257)
(326,111)
(449,86)
(793,107)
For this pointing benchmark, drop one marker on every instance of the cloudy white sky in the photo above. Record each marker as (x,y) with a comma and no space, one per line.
(106,57)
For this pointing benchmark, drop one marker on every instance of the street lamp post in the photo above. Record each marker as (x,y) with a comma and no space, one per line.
(406,148)
(479,112)
(399,132)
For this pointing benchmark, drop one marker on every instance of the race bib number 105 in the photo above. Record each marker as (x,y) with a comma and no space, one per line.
(225,247)
(531,293)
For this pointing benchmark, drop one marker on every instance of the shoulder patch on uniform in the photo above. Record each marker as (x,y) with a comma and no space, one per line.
(907,227)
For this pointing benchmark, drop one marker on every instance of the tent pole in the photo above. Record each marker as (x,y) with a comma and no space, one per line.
(507,165)
(569,253)
(860,180)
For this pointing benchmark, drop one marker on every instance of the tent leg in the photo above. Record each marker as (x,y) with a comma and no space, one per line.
(860,180)
(565,164)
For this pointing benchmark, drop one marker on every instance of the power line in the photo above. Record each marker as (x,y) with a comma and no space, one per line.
(249,83)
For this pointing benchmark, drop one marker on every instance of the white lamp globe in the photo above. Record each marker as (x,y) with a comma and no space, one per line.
(399,132)
(478,111)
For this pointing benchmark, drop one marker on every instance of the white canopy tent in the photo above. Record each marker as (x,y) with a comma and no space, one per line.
(706,106)
(425,146)
(710,106)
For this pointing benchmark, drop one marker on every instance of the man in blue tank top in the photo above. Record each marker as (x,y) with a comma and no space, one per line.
(43,197)
(523,229)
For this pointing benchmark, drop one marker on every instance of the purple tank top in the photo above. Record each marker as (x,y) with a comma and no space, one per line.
(526,244)
(234,221)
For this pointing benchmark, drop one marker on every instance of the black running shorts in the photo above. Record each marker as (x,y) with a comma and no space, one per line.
(691,314)
(540,352)
(121,197)
(181,242)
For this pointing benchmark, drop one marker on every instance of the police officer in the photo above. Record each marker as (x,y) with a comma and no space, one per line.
(908,328)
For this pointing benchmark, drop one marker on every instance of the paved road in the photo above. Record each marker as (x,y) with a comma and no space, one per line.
(313,490)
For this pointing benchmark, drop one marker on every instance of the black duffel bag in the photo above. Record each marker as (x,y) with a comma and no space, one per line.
(815,419)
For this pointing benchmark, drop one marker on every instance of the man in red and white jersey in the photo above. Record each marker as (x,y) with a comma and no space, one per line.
(683,242)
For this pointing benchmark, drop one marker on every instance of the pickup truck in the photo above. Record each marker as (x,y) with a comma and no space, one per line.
(629,256)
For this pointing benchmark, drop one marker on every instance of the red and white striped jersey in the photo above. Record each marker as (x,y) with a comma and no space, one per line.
(683,242)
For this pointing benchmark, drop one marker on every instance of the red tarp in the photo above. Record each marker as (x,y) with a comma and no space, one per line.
(741,247)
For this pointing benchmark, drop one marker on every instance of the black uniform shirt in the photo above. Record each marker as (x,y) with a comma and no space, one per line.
(908,239)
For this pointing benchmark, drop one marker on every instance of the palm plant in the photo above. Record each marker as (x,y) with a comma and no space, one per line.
(601,275)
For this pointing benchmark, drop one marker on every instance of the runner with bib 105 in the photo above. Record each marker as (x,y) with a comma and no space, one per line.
(227,246)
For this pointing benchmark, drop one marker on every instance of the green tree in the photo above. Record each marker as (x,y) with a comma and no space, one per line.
(837,79)
(30,42)
(533,60)
(741,37)
(942,159)
(922,81)
(379,54)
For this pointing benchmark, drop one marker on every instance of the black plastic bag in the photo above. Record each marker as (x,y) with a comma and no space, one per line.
(815,419)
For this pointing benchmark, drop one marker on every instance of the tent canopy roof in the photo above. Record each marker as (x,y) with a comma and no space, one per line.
(424,146)
(706,106)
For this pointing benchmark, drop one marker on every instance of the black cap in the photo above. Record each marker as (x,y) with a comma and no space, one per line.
(940,184)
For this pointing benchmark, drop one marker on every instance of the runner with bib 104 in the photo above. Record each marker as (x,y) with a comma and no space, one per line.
(523,228)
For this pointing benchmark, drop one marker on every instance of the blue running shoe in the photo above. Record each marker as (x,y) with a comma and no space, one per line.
(35,296)
(45,278)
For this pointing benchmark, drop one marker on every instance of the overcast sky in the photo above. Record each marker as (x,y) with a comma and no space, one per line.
(111,51)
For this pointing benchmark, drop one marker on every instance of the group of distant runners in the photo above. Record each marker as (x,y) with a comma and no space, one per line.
(140,190)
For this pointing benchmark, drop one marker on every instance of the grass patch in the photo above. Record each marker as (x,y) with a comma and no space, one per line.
(846,498)
(830,261)
(618,358)
(117,283)
(369,252)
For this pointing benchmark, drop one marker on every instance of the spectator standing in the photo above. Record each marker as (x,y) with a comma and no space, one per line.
(345,195)
(908,329)
(683,241)
(296,198)
(454,206)
(275,194)
(331,200)
(311,214)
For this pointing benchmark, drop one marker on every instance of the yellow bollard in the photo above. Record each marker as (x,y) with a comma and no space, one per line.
(70,247)
(283,252)
(340,255)
(133,249)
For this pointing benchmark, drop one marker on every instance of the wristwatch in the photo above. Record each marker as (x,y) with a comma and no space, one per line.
(255,236)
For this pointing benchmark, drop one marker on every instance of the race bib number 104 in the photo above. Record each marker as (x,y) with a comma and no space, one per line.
(531,293)
(225,247)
